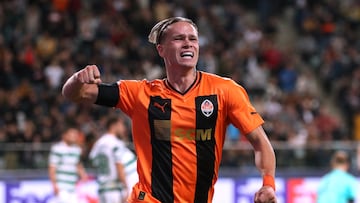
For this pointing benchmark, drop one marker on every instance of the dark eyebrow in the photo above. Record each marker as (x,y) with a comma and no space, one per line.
(184,35)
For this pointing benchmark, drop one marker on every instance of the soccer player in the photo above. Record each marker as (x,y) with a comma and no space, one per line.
(115,163)
(179,122)
(65,167)
(338,185)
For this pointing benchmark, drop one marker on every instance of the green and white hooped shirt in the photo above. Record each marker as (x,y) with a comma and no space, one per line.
(65,158)
(106,152)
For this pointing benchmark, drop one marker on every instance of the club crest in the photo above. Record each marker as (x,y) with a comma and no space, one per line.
(207,107)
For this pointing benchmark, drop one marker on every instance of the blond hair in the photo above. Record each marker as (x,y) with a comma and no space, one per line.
(158,30)
(340,158)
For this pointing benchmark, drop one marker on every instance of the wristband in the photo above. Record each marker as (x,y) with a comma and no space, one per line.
(269,180)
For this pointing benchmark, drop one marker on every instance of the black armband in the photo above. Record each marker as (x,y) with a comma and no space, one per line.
(108,95)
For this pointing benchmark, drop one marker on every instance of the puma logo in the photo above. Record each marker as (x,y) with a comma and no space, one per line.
(161,107)
(141,195)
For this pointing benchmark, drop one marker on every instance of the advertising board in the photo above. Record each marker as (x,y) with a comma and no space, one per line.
(227,190)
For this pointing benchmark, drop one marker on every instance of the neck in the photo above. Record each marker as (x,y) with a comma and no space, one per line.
(111,133)
(342,167)
(67,143)
(181,81)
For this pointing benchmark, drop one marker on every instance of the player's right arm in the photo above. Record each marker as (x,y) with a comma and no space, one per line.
(82,86)
(52,176)
(85,86)
(52,165)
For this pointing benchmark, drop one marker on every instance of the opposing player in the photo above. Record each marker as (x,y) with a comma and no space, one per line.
(179,122)
(115,163)
(65,167)
(338,185)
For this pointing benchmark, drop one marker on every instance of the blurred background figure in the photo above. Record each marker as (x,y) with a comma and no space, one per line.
(258,44)
(338,186)
(115,163)
(65,167)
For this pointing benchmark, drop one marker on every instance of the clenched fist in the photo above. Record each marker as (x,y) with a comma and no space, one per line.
(82,86)
(89,75)
(266,194)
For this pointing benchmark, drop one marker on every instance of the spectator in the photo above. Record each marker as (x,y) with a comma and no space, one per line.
(111,35)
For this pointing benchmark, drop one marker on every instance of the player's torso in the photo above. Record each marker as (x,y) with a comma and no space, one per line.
(177,117)
(180,139)
(104,159)
(69,156)
(67,159)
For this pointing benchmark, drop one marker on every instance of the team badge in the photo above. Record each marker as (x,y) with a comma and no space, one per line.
(207,107)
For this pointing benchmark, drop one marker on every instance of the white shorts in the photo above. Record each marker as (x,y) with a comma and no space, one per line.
(66,197)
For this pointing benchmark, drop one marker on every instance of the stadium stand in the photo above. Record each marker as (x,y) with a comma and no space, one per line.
(299,60)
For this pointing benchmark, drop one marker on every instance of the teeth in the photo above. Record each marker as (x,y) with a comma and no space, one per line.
(187,54)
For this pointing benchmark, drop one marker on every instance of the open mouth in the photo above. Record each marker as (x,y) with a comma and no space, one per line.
(187,54)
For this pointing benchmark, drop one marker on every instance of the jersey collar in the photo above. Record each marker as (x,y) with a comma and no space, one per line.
(196,81)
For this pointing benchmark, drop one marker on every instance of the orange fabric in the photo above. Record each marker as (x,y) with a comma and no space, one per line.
(328,27)
(357,127)
(61,5)
(233,106)
(269,180)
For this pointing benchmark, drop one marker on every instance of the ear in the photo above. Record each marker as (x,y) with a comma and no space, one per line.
(160,50)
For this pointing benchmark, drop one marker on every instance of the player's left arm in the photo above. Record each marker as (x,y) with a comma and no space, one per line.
(265,161)
(82,172)
(120,169)
(121,174)
(52,176)
(353,188)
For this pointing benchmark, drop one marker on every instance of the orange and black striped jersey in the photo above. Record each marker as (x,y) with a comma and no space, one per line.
(179,137)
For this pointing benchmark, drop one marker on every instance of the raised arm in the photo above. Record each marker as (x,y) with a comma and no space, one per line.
(265,161)
(82,86)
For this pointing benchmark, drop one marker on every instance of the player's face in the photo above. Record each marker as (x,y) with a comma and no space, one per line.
(180,45)
(71,136)
(120,129)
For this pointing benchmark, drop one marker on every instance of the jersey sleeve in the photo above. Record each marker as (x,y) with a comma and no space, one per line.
(120,153)
(93,152)
(353,187)
(54,156)
(241,112)
(78,151)
(128,95)
(123,154)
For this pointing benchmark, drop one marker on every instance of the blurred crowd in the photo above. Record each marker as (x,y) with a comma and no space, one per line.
(299,61)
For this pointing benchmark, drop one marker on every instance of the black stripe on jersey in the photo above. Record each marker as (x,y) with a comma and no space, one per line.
(159,112)
(206,116)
